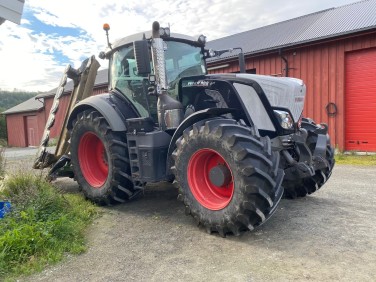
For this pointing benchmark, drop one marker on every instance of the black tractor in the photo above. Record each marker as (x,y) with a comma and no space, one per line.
(233,144)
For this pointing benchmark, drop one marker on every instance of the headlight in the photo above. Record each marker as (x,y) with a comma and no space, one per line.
(284,119)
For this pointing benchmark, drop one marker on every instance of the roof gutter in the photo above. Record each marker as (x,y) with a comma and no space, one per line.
(39,100)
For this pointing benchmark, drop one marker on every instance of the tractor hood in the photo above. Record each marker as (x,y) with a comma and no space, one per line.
(283,92)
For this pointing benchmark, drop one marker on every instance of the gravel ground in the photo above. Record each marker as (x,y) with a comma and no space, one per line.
(329,236)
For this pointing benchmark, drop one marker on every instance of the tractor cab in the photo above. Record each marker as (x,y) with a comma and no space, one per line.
(182,56)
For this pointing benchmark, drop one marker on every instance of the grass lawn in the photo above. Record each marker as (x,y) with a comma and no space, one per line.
(353,159)
(42,227)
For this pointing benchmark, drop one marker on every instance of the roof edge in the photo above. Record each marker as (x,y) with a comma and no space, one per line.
(298,44)
(277,23)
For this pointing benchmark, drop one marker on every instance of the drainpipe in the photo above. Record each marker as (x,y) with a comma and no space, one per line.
(39,100)
(286,62)
(241,60)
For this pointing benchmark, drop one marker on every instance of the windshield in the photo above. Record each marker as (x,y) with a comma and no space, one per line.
(182,60)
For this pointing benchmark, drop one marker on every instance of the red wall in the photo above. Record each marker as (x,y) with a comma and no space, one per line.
(16,130)
(62,111)
(16,127)
(16,123)
(322,67)
(100,90)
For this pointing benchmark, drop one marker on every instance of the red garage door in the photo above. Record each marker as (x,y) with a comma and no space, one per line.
(32,130)
(360,83)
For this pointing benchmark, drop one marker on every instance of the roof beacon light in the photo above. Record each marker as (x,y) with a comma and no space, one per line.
(106,27)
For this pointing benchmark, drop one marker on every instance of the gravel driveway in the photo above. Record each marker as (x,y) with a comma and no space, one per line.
(328,236)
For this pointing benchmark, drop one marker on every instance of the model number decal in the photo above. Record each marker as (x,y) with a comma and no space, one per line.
(202,83)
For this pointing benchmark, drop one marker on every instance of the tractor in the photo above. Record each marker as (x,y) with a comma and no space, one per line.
(233,144)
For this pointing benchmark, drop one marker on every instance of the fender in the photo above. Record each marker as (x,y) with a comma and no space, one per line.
(192,119)
(113,108)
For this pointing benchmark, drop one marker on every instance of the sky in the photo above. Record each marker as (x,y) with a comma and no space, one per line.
(55,33)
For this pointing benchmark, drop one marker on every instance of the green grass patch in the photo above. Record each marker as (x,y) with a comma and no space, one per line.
(2,163)
(3,142)
(53,141)
(353,159)
(42,226)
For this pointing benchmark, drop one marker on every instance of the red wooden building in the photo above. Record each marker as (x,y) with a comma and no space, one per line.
(333,51)
(26,121)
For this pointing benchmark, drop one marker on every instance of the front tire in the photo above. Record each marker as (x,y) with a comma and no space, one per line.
(228,177)
(100,160)
(307,186)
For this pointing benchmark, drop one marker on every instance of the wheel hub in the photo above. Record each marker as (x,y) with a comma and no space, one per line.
(220,175)
(93,159)
(210,179)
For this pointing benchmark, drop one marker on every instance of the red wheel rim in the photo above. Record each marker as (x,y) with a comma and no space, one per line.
(93,159)
(203,189)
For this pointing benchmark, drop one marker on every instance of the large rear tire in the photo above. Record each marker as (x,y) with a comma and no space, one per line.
(227,175)
(307,186)
(100,160)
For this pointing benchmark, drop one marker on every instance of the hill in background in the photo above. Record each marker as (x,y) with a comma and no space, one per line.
(10,99)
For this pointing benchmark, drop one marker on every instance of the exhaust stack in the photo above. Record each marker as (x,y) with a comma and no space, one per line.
(170,111)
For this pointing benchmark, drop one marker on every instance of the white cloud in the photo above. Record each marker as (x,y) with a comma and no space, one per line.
(50,19)
(28,57)
(22,66)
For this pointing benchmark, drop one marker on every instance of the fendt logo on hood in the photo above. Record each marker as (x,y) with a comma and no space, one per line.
(202,83)
(299,99)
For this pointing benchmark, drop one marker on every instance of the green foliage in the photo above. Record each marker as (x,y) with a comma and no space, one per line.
(3,128)
(42,226)
(10,99)
(354,159)
(2,163)
(53,141)
(3,143)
